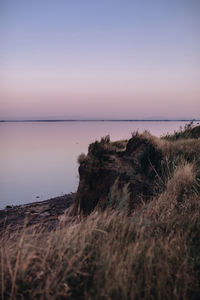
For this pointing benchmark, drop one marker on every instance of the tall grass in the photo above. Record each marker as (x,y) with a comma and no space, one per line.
(187,132)
(152,254)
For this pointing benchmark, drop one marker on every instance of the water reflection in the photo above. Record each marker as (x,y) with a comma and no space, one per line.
(40,159)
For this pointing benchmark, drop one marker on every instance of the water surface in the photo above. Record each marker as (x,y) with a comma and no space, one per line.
(40,159)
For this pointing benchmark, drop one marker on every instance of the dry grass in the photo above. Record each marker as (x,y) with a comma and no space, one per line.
(152,254)
(175,152)
(189,131)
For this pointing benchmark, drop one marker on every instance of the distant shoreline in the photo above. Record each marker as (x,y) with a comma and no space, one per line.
(110,120)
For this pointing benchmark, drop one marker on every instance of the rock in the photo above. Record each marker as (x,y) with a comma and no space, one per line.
(9,206)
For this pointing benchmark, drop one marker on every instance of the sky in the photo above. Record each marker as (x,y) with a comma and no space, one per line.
(92,59)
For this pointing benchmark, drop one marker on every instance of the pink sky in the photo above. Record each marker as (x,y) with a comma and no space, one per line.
(100,94)
(97,61)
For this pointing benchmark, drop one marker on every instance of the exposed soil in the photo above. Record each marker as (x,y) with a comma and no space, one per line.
(118,178)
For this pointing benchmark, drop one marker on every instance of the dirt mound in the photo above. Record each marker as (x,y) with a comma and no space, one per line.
(118,178)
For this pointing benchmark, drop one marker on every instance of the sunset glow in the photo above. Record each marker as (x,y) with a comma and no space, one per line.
(132,59)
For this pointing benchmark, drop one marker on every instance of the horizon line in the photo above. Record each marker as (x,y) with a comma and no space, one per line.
(98,120)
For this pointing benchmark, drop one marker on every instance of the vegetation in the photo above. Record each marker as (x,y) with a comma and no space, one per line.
(81,158)
(187,132)
(151,253)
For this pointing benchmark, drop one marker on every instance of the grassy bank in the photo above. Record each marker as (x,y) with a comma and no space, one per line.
(151,253)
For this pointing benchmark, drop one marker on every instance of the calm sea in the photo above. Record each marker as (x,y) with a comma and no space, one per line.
(40,159)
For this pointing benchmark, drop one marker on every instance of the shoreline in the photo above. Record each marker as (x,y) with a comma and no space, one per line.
(43,212)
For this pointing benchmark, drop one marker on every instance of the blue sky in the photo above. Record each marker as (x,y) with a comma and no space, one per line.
(99,59)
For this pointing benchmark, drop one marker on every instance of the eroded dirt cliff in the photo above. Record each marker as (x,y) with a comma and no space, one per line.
(118,174)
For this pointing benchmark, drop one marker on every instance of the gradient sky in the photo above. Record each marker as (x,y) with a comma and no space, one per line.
(99,59)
